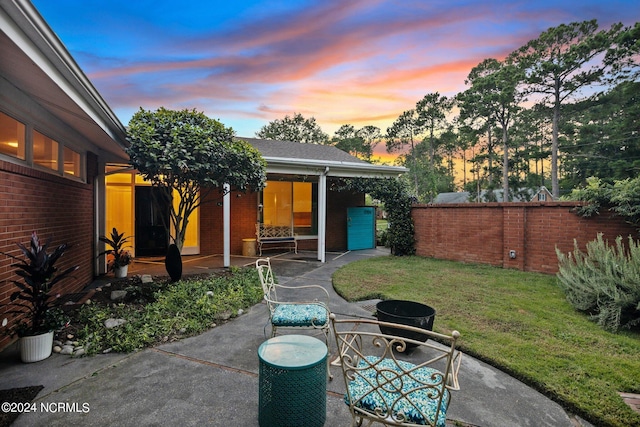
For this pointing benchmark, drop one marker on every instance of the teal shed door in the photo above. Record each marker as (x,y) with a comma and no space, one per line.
(361,228)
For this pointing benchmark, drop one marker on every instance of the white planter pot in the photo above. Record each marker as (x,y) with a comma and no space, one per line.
(36,348)
(121,271)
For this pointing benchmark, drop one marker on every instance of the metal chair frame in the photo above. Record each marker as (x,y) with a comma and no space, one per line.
(270,289)
(388,382)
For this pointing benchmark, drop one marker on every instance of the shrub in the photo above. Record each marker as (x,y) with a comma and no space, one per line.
(188,307)
(382,237)
(397,202)
(604,282)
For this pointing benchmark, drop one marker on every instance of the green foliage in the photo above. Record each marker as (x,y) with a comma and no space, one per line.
(382,237)
(494,88)
(357,142)
(604,282)
(296,129)
(187,152)
(118,242)
(602,137)
(397,202)
(35,298)
(558,65)
(186,308)
(623,198)
(421,134)
(404,131)
(517,321)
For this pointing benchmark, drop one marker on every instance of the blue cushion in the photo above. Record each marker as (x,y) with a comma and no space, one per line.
(361,389)
(299,315)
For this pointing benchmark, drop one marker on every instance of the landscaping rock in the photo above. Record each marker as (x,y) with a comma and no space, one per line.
(146,278)
(57,349)
(79,352)
(225,315)
(118,295)
(113,323)
(67,349)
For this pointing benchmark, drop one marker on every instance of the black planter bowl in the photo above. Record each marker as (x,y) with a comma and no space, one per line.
(406,313)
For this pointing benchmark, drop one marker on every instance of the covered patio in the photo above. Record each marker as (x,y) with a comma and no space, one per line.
(289,263)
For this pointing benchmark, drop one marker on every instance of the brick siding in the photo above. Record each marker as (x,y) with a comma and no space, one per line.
(244,213)
(60,210)
(486,233)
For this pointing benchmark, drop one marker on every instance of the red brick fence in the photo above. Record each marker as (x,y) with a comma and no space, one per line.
(487,233)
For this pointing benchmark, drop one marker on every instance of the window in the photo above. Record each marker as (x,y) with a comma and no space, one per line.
(291,203)
(71,162)
(22,142)
(12,137)
(542,197)
(45,151)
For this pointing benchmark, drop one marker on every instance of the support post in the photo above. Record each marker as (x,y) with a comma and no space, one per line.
(322,215)
(226,220)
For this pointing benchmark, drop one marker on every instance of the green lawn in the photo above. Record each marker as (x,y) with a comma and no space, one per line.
(519,322)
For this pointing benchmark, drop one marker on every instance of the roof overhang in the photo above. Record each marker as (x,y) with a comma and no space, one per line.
(35,61)
(280,165)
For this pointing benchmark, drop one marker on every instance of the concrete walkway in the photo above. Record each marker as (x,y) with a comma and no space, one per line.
(212,379)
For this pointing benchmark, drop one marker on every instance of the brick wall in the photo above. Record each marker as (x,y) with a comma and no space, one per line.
(60,210)
(486,233)
(337,204)
(244,213)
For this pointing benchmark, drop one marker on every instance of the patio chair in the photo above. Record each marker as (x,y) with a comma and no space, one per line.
(311,312)
(392,380)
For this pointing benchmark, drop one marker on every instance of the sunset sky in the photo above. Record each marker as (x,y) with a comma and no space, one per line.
(361,62)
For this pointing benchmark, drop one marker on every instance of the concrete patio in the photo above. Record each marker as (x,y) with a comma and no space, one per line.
(212,379)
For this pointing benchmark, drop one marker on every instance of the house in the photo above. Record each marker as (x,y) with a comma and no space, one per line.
(298,193)
(64,174)
(521,195)
(542,195)
(452,197)
(56,135)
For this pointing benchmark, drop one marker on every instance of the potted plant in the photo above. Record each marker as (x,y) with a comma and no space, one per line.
(35,301)
(119,258)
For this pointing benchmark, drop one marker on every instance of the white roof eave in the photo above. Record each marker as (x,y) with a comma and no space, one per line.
(44,48)
(331,168)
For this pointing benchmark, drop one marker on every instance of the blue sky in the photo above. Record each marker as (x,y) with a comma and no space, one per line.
(361,62)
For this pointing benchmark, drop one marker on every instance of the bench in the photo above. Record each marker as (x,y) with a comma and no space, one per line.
(281,236)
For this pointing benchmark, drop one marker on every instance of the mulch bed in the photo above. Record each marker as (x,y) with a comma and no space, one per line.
(138,295)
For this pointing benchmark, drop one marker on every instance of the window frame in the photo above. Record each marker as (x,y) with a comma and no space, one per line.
(29,132)
(24,140)
(302,232)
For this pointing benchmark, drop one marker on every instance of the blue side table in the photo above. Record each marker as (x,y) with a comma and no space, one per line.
(292,382)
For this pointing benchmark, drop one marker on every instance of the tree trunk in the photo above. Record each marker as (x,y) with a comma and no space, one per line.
(505,165)
(555,189)
(490,151)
